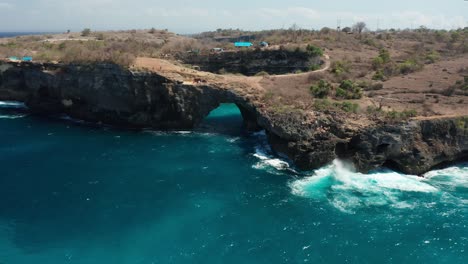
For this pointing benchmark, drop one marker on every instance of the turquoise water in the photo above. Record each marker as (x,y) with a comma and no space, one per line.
(75,193)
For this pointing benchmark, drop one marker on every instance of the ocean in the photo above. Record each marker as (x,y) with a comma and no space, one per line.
(72,192)
(14,34)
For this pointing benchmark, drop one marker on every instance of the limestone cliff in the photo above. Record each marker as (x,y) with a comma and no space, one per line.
(113,95)
(252,62)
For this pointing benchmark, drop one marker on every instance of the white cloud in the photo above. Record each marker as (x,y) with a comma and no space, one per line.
(432,21)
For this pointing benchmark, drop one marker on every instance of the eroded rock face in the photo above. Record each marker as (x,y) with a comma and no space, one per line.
(251,62)
(413,148)
(112,95)
(109,94)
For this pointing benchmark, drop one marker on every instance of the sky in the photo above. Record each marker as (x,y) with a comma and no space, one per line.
(192,16)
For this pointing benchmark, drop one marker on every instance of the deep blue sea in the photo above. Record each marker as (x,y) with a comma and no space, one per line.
(14,34)
(71,192)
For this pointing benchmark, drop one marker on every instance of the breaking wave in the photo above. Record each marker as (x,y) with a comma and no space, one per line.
(266,158)
(349,191)
(452,178)
(12,104)
(12,116)
(12,110)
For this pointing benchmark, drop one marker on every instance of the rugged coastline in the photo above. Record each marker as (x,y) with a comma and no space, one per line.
(132,98)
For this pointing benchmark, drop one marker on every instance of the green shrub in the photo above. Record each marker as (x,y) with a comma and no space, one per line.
(385,56)
(340,93)
(262,73)
(340,67)
(409,66)
(370,42)
(86,32)
(322,105)
(321,90)
(381,60)
(100,36)
(432,57)
(314,51)
(348,107)
(349,90)
(395,115)
(377,63)
(455,36)
(314,67)
(440,35)
(379,76)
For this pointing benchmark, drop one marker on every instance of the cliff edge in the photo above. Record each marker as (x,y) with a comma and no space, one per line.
(166,100)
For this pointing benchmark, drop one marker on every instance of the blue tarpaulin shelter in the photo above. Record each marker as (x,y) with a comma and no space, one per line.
(243,44)
(27,59)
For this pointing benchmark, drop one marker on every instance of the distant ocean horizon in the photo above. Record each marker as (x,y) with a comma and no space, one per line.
(14,34)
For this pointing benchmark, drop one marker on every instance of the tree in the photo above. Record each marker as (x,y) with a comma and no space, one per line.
(294,28)
(359,27)
(346,30)
(86,32)
(325,30)
(152,30)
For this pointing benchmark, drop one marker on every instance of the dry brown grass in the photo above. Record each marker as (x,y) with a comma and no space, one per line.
(120,47)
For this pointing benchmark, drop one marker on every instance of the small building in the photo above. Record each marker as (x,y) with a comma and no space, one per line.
(27,59)
(217,50)
(13,59)
(264,44)
(243,44)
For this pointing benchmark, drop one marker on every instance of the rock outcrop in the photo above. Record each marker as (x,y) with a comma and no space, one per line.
(251,62)
(113,95)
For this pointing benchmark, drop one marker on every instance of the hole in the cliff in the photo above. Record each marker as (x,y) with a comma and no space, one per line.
(391,164)
(226,119)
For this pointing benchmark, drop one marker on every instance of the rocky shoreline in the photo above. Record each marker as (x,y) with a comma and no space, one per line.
(118,96)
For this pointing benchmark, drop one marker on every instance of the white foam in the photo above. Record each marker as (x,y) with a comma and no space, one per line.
(11,116)
(12,104)
(267,162)
(348,190)
(453,177)
(233,140)
(266,159)
(183,132)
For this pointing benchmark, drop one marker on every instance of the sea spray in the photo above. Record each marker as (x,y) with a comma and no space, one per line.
(266,159)
(349,191)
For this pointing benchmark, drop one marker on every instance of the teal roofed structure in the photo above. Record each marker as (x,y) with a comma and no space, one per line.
(243,44)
